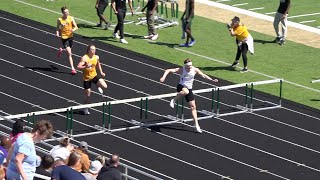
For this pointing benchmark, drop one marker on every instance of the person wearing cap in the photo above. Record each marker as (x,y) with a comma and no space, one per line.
(244,42)
(281,16)
(111,171)
(186,20)
(184,88)
(62,150)
(84,164)
(94,170)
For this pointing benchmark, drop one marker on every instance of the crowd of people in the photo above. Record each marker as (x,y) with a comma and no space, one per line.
(19,161)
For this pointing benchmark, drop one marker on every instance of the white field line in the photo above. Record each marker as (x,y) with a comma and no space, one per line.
(270,13)
(303,15)
(241,4)
(146,63)
(257,15)
(236,125)
(258,8)
(302,86)
(223,1)
(310,21)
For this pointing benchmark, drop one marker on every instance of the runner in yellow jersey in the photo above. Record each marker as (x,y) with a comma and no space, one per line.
(66,25)
(244,42)
(88,64)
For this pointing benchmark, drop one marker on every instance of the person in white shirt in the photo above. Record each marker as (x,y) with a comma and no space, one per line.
(184,88)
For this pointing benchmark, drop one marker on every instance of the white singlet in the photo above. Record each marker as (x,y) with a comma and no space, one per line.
(187,78)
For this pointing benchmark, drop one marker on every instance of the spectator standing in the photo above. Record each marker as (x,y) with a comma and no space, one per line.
(111,171)
(101,5)
(244,42)
(150,15)
(23,161)
(120,9)
(281,16)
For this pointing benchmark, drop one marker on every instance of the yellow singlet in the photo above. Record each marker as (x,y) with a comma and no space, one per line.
(90,73)
(66,27)
(241,32)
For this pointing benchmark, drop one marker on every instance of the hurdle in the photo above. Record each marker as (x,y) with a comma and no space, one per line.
(177,117)
(162,18)
(315,81)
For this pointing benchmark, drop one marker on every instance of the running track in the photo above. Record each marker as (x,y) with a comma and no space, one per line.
(273,144)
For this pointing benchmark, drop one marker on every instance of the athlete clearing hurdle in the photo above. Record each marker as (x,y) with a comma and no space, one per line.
(184,88)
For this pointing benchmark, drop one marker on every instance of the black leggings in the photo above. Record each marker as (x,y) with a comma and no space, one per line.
(243,49)
(120,16)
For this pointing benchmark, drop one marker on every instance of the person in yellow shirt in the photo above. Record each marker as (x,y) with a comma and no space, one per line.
(88,64)
(66,26)
(244,42)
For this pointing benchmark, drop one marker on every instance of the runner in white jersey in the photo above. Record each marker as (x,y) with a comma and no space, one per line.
(184,88)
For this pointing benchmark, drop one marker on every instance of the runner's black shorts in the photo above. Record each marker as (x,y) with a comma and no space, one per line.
(87,84)
(101,8)
(190,96)
(67,42)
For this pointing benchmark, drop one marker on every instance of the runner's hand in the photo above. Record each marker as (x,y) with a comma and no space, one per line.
(215,80)
(103,74)
(162,79)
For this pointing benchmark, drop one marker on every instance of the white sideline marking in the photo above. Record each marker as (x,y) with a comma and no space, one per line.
(242,4)
(258,8)
(302,22)
(305,87)
(302,15)
(257,15)
(270,13)
(222,1)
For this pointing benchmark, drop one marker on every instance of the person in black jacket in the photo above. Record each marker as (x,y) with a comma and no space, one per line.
(110,172)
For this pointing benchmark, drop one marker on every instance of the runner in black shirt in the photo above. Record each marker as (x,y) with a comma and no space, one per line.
(120,9)
(281,16)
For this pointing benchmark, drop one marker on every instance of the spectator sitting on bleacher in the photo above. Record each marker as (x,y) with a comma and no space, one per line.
(101,159)
(61,171)
(45,167)
(94,170)
(17,130)
(84,164)
(110,171)
(62,150)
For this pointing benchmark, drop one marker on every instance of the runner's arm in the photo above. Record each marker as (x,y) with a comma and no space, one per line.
(167,71)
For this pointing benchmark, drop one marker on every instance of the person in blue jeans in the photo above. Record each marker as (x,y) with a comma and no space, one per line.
(24,160)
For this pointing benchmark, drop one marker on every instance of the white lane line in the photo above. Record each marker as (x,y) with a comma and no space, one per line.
(256,72)
(161,83)
(303,15)
(310,21)
(172,157)
(270,13)
(241,4)
(222,1)
(120,118)
(39,89)
(296,84)
(134,75)
(258,8)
